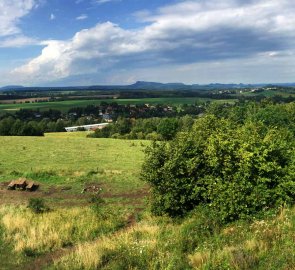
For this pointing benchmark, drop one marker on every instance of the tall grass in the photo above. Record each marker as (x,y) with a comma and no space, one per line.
(32,233)
(144,246)
(192,243)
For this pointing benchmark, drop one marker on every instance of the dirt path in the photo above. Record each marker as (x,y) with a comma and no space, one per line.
(49,258)
(64,197)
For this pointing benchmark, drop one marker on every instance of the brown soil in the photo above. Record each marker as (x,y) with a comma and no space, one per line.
(17,101)
(60,195)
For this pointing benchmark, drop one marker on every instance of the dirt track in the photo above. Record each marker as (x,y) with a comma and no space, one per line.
(64,196)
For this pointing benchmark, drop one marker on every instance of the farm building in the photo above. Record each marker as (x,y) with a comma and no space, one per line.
(87,127)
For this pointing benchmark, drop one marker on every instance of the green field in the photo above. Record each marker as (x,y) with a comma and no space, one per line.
(268,93)
(66,105)
(70,157)
(67,154)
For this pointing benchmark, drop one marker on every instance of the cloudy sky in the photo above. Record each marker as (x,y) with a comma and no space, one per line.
(85,42)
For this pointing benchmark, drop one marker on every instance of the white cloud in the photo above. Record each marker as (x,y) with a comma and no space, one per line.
(18,41)
(187,34)
(52,17)
(82,17)
(11,11)
(100,2)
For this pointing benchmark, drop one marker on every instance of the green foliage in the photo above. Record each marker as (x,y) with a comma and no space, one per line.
(37,205)
(154,128)
(97,204)
(29,252)
(237,170)
(168,128)
(11,127)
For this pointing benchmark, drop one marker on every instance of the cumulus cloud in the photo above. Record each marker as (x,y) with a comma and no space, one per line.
(11,11)
(186,33)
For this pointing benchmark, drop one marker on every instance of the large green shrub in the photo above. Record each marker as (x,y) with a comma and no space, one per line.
(235,170)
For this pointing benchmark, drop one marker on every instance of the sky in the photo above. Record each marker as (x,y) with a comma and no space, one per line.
(88,42)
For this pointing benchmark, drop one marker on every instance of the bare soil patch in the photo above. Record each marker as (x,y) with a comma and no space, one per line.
(65,196)
(24,100)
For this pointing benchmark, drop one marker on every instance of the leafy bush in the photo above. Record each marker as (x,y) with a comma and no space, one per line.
(97,204)
(29,252)
(37,205)
(168,128)
(235,170)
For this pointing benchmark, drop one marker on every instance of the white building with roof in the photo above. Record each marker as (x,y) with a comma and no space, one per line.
(86,127)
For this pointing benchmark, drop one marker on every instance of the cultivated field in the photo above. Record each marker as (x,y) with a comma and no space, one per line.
(66,105)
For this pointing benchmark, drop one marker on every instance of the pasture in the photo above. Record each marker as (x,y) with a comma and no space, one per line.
(66,163)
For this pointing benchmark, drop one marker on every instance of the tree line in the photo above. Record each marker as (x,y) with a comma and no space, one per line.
(154,128)
(157,122)
(28,122)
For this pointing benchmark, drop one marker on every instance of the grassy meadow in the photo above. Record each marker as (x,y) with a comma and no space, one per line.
(64,164)
(118,232)
(70,157)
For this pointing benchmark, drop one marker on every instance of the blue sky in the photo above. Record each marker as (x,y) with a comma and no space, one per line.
(86,42)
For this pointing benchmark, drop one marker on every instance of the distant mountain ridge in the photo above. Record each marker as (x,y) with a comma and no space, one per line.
(9,87)
(143,85)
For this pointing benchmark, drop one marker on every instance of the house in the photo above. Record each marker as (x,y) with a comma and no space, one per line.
(107,118)
(86,127)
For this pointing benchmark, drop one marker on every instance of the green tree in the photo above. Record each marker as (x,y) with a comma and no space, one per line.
(16,129)
(123,126)
(237,171)
(6,125)
(186,123)
(168,128)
